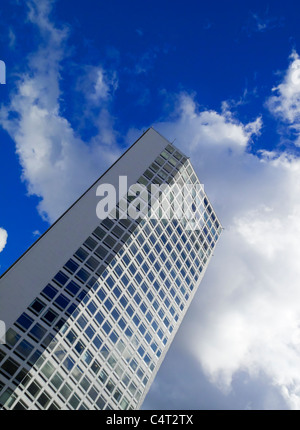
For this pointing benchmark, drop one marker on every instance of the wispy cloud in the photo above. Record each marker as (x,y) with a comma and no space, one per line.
(260,23)
(285,103)
(57,165)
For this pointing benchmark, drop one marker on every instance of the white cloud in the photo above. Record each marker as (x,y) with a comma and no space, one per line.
(285,104)
(56,164)
(246,315)
(96,84)
(3,239)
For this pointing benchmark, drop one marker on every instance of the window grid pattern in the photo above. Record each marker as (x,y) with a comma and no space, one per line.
(107,317)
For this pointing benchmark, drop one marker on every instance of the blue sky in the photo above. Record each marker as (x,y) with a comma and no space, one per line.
(222,79)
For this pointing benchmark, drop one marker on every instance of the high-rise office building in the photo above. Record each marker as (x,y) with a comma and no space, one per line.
(93,306)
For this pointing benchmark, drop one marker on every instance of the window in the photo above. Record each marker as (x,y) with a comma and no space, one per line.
(79,347)
(60,278)
(101,294)
(112,361)
(97,342)
(81,254)
(71,266)
(61,301)
(101,403)
(115,313)
(10,366)
(48,370)
(22,377)
(33,359)
(83,275)
(34,388)
(77,373)
(124,403)
(81,295)
(92,307)
(142,328)
(123,301)
(24,348)
(117,292)
(82,321)
(99,233)
(92,263)
(74,401)
(101,252)
(50,316)
(90,243)
(103,376)
(38,332)
(130,310)
(90,332)
(12,337)
(85,383)
(107,223)
(66,391)
(107,327)
(87,357)
(71,336)
(20,406)
(137,298)
(53,407)
(110,386)
(43,400)
(57,380)
(122,323)
(117,395)
(125,280)
(114,337)
(148,337)
(99,317)
(37,306)
(4,398)
(49,291)
(136,320)
(108,304)
(109,241)
(24,321)
(72,288)
(93,393)
(95,367)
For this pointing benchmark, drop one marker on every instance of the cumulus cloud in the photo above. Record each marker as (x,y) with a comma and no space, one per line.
(246,316)
(50,151)
(3,239)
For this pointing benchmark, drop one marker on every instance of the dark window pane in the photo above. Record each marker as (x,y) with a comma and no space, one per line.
(62,301)
(37,306)
(83,275)
(10,366)
(81,254)
(50,316)
(49,291)
(61,278)
(24,321)
(38,331)
(24,348)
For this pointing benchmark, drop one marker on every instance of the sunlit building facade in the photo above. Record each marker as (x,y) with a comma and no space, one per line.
(93,306)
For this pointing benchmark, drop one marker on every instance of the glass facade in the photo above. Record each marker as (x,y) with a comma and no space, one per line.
(97,333)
